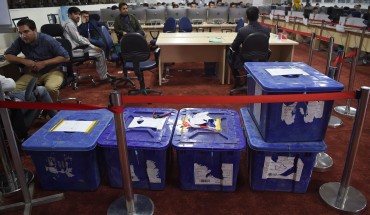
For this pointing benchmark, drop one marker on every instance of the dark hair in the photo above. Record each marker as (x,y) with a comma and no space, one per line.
(114,7)
(211,2)
(252,14)
(84,12)
(121,5)
(73,10)
(29,22)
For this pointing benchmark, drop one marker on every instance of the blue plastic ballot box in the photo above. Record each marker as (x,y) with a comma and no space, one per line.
(64,150)
(290,121)
(148,135)
(208,144)
(284,166)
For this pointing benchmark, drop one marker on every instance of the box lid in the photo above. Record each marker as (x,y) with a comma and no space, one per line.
(315,81)
(142,137)
(231,136)
(256,142)
(46,140)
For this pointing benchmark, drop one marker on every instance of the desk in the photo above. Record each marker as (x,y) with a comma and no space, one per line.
(195,47)
(8,69)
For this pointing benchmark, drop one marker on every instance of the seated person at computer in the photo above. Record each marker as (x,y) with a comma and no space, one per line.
(43,58)
(219,3)
(211,4)
(71,33)
(90,29)
(193,5)
(252,27)
(233,4)
(126,22)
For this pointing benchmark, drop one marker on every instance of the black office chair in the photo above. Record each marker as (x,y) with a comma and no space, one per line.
(255,48)
(56,31)
(185,25)
(135,54)
(114,56)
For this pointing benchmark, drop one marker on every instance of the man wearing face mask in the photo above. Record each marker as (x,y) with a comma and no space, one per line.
(126,23)
(43,58)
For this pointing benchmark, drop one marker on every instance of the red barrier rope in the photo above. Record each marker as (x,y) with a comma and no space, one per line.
(295,32)
(351,54)
(183,100)
(326,39)
(269,25)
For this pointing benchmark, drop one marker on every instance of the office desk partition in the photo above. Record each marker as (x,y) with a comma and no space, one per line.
(196,47)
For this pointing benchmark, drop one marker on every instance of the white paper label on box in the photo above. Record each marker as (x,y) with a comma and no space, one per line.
(288,113)
(203,175)
(314,110)
(283,168)
(257,106)
(153,172)
(59,167)
(133,175)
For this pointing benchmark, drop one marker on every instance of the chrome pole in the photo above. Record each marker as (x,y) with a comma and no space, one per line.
(311,48)
(21,174)
(330,53)
(348,110)
(342,196)
(129,203)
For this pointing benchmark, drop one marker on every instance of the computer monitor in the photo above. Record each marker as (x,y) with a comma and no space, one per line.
(139,13)
(197,15)
(176,13)
(236,13)
(16,20)
(108,15)
(335,14)
(217,15)
(155,16)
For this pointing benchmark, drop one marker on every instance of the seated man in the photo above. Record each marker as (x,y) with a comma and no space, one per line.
(21,121)
(243,32)
(43,58)
(126,23)
(90,29)
(71,33)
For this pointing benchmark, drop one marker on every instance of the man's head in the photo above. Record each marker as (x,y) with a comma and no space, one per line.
(27,30)
(219,3)
(84,16)
(211,4)
(252,14)
(74,14)
(123,8)
(193,5)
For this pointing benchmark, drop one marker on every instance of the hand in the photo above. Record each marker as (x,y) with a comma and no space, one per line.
(38,66)
(29,63)
(98,49)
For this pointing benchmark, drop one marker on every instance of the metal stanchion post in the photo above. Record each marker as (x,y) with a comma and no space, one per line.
(277,28)
(21,175)
(330,53)
(321,30)
(324,161)
(129,203)
(341,195)
(348,110)
(311,48)
(361,42)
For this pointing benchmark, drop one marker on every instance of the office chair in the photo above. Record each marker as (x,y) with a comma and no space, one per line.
(255,48)
(185,25)
(135,55)
(168,27)
(113,56)
(239,24)
(56,30)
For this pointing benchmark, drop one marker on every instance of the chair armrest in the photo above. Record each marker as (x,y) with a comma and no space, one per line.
(157,52)
(154,34)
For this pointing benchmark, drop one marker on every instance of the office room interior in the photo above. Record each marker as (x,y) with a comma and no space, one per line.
(204,144)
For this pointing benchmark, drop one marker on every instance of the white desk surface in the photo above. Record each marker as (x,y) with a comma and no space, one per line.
(203,25)
(4,63)
(202,38)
